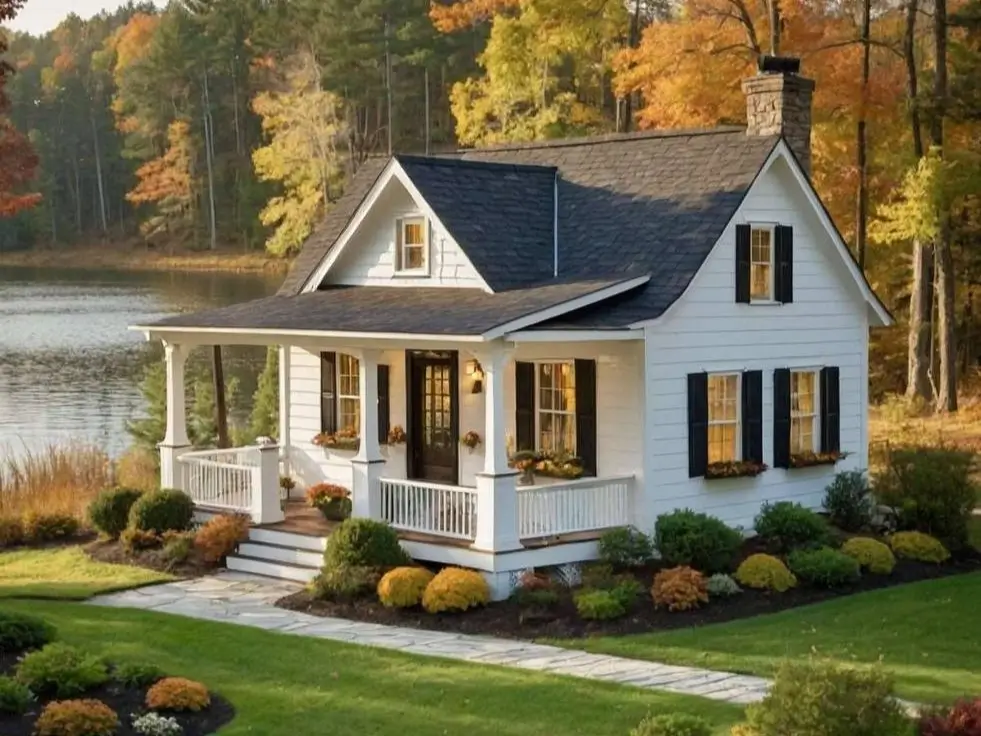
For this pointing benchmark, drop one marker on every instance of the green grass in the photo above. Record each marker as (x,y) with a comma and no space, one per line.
(66,573)
(287,685)
(925,634)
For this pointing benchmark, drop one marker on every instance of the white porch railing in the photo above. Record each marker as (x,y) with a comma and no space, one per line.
(583,505)
(241,480)
(429,508)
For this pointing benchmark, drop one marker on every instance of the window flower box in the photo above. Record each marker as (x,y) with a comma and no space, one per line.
(734,469)
(810,459)
(345,439)
(545,464)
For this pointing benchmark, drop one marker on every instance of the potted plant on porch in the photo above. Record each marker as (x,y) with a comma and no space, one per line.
(333,501)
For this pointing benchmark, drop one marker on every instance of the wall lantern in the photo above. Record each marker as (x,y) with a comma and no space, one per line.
(476,372)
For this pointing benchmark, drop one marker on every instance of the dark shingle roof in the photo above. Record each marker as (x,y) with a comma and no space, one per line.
(652,202)
(423,310)
(500,214)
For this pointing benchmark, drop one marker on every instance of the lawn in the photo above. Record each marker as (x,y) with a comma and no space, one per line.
(286,685)
(66,573)
(926,635)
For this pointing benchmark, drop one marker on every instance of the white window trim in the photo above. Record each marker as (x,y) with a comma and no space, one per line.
(337,388)
(538,409)
(816,438)
(739,414)
(401,222)
(770,227)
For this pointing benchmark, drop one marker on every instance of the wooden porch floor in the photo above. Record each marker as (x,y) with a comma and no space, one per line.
(302,519)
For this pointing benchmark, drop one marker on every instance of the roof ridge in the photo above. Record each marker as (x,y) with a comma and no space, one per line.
(607,138)
(456,161)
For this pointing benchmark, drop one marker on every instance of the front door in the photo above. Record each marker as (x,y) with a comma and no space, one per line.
(431,401)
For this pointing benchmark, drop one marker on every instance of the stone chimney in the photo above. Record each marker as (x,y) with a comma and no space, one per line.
(778,102)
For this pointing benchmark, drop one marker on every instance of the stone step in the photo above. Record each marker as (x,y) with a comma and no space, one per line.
(287,539)
(279,570)
(277,553)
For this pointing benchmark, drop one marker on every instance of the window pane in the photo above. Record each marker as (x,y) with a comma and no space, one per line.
(412,233)
(545,375)
(348,415)
(414,257)
(722,443)
(545,432)
(760,281)
(802,434)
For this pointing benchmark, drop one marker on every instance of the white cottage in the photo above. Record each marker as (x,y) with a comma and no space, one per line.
(673,309)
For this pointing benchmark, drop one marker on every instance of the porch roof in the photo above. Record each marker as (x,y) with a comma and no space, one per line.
(397,310)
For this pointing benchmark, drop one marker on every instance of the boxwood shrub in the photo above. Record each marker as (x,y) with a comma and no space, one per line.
(785,526)
(824,568)
(20,632)
(166,510)
(686,538)
(109,511)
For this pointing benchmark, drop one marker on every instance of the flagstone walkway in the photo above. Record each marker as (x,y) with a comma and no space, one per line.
(239,598)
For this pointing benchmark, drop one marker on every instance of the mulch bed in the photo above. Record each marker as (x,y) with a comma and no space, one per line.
(104,550)
(509,620)
(83,537)
(125,701)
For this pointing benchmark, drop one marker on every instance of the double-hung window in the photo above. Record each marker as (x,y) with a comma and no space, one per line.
(761,263)
(412,242)
(348,394)
(723,417)
(803,412)
(556,411)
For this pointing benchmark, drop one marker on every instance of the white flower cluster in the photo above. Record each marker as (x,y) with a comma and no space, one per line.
(154,724)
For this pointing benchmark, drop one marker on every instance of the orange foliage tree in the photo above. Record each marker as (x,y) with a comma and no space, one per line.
(166,181)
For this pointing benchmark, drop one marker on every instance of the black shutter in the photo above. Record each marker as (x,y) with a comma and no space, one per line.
(781,418)
(524,400)
(384,419)
(328,392)
(698,415)
(585,378)
(830,410)
(783,278)
(752,399)
(742,263)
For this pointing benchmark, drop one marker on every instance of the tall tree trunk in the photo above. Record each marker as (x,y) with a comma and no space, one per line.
(388,88)
(221,410)
(625,107)
(918,384)
(238,130)
(944,259)
(78,195)
(861,142)
(425,74)
(209,153)
(773,6)
(98,175)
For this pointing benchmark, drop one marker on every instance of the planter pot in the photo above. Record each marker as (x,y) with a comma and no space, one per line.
(338,510)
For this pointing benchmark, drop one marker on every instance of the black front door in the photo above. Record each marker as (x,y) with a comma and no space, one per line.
(431,400)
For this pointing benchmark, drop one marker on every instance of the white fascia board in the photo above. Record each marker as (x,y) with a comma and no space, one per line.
(574,335)
(267,336)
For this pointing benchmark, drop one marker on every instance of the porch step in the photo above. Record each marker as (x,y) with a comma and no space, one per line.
(277,553)
(288,539)
(271,569)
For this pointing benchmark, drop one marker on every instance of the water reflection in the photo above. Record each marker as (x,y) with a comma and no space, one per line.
(70,368)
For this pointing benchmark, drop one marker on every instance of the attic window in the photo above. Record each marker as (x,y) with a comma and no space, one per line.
(412,246)
(761,263)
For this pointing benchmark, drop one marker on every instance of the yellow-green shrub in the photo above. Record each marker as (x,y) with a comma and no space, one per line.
(765,572)
(77,718)
(455,589)
(45,527)
(679,589)
(135,540)
(177,693)
(871,554)
(918,546)
(403,587)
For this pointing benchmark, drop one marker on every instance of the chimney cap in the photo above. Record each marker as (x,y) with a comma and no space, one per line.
(779,64)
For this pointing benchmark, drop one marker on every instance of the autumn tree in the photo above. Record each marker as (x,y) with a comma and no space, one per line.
(166,182)
(17,158)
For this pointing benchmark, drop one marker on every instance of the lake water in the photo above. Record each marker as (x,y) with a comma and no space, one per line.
(69,367)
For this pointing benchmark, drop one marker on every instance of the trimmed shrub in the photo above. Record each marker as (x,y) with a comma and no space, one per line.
(627,589)
(77,718)
(918,546)
(49,527)
(221,535)
(364,543)
(721,585)
(346,582)
(597,575)
(179,694)
(166,510)
(679,589)
(765,572)
(535,590)
(455,589)
(931,491)
(673,724)
(154,724)
(177,546)
(61,670)
(785,526)
(403,587)
(962,719)
(109,511)
(824,568)
(625,546)
(871,554)
(136,540)
(11,532)
(599,605)
(824,699)
(137,674)
(696,540)
(848,501)
(15,697)
(21,631)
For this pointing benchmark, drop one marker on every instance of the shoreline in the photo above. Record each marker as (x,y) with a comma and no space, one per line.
(115,257)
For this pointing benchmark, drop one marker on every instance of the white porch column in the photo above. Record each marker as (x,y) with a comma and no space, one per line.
(175,441)
(497,500)
(367,464)
(266,508)
(284,407)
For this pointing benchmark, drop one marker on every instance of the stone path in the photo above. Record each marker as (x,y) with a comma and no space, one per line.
(239,598)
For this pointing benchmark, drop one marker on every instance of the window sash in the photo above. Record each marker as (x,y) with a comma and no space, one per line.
(413,244)
(555,407)
(348,393)
(724,417)
(804,416)
(761,265)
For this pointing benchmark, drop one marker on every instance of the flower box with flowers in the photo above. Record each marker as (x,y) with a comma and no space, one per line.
(545,464)
(333,501)
(734,469)
(345,439)
(810,459)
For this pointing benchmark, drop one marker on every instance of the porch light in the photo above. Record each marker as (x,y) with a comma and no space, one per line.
(476,372)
